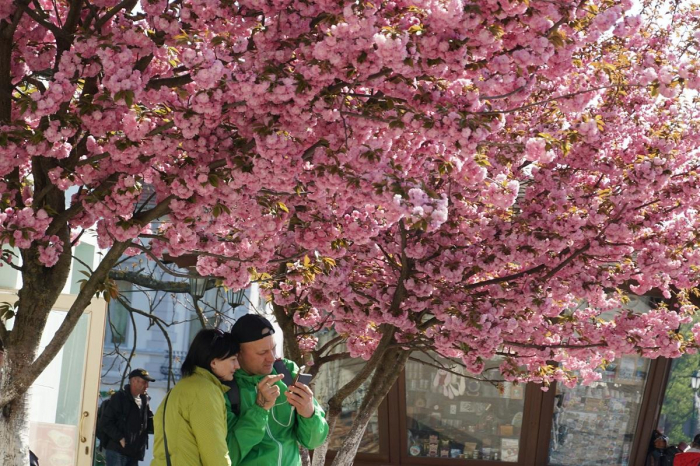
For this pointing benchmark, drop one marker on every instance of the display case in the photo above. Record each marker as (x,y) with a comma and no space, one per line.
(451,414)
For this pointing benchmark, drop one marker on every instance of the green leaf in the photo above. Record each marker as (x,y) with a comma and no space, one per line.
(129,98)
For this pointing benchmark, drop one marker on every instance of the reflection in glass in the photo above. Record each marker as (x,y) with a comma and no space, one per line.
(451,415)
(330,379)
(603,414)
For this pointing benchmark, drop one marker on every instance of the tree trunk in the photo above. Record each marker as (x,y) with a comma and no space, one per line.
(319,458)
(14,426)
(289,334)
(385,375)
(335,404)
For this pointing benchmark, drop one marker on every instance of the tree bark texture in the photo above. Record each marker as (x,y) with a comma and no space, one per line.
(379,358)
(14,426)
(385,375)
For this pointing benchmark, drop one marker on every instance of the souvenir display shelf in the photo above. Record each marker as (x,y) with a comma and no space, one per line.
(455,416)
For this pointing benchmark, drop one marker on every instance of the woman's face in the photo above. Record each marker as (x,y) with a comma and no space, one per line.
(224,368)
(660,443)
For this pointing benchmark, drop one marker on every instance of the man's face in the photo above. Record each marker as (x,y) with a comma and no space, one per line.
(258,357)
(138,386)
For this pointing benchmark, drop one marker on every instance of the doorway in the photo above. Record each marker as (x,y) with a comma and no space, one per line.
(63,399)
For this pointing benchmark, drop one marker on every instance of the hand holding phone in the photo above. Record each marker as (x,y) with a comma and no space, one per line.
(300,396)
(302,377)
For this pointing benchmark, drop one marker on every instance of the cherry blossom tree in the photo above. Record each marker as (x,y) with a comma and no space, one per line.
(478,178)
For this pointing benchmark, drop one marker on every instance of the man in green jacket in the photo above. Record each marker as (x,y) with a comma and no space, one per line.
(273,419)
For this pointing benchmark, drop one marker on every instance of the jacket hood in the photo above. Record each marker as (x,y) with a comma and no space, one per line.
(211,377)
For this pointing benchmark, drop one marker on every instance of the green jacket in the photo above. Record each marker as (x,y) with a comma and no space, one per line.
(271,438)
(195,423)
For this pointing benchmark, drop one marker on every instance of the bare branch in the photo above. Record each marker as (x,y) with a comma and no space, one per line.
(148,281)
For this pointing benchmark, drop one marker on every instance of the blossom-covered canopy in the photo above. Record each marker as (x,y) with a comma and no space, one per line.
(484,177)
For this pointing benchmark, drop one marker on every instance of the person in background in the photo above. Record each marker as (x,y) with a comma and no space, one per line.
(268,430)
(691,456)
(127,420)
(190,423)
(657,449)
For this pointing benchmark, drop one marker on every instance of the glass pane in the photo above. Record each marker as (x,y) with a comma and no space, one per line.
(603,414)
(86,253)
(118,319)
(56,396)
(452,415)
(332,377)
(8,275)
(679,411)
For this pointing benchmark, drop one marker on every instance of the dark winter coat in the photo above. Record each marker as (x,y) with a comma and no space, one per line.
(122,419)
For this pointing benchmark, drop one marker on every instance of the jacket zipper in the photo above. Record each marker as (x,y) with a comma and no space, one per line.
(279,445)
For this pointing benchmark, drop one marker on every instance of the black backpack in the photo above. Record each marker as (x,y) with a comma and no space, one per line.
(99,431)
(234,394)
(668,456)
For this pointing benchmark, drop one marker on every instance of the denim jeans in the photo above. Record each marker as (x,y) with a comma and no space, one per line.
(112,458)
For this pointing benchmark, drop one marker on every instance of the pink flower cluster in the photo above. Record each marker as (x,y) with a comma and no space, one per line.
(478,180)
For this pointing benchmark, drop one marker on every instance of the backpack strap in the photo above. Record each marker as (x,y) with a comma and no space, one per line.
(234,393)
(165,437)
(281,368)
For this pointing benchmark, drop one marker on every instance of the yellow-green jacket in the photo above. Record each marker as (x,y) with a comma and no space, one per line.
(271,438)
(195,423)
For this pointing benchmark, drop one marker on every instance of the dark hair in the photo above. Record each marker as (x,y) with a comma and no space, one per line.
(2,346)
(208,344)
(696,439)
(656,435)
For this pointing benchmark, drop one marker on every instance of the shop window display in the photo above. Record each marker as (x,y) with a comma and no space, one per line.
(330,379)
(450,414)
(604,414)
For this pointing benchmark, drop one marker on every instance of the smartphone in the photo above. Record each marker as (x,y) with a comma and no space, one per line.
(301,377)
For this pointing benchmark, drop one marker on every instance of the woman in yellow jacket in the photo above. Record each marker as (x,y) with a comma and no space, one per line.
(194,411)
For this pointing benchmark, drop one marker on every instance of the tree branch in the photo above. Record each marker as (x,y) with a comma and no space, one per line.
(148,281)
(507,278)
(124,4)
(55,30)
(173,81)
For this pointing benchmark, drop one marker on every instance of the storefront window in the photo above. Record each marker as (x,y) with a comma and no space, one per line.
(595,424)
(679,418)
(450,414)
(330,379)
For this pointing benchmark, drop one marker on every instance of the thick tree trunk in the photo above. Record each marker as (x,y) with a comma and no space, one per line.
(384,377)
(289,333)
(319,458)
(14,426)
